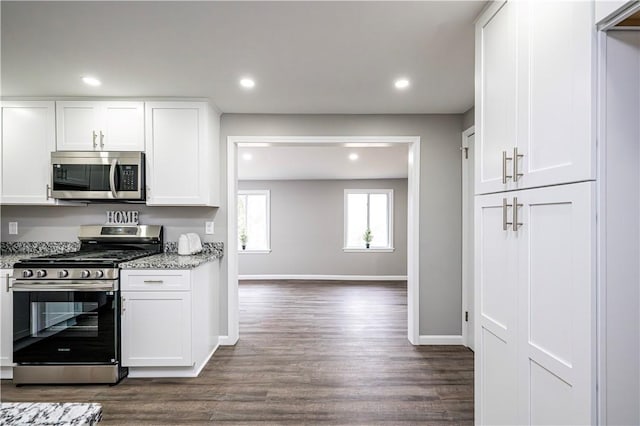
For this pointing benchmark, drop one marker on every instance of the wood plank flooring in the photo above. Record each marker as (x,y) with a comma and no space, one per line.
(309,352)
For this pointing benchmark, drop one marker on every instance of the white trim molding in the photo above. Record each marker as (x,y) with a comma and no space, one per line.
(441,340)
(227,341)
(413,223)
(325,277)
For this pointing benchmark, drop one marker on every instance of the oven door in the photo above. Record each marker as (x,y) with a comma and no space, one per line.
(64,326)
(98,176)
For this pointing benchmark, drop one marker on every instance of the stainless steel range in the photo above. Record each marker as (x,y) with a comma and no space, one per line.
(66,307)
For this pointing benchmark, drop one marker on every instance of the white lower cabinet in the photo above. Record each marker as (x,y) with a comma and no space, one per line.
(6,327)
(535,259)
(156,328)
(169,320)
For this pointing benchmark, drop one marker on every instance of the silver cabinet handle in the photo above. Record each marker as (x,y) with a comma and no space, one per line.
(122,308)
(95,135)
(505,215)
(516,157)
(8,284)
(101,139)
(49,192)
(112,178)
(505,176)
(515,222)
(153,281)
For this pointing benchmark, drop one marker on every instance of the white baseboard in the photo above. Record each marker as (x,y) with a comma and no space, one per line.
(227,341)
(440,340)
(326,277)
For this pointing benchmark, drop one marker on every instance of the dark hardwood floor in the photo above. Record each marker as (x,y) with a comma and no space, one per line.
(309,352)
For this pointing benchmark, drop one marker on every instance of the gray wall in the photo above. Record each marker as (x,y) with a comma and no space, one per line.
(440,195)
(307,230)
(468,118)
(58,223)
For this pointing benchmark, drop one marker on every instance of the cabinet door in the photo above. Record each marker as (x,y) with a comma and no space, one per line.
(496,34)
(495,312)
(177,153)
(156,329)
(556,251)
(122,126)
(556,93)
(6,316)
(28,138)
(78,125)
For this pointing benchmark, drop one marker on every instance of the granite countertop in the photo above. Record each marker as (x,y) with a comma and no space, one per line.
(47,413)
(171,261)
(12,252)
(8,260)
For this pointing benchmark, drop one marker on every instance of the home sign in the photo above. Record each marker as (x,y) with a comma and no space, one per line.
(120,217)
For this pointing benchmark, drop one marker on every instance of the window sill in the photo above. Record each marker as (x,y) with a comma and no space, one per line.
(369,250)
(254,251)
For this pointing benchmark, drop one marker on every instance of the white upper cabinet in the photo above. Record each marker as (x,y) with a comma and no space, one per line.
(496,34)
(28,138)
(100,126)
(534,68)
(182,154)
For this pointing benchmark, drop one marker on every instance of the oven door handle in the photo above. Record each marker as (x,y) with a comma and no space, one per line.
(53,286)
(112,177)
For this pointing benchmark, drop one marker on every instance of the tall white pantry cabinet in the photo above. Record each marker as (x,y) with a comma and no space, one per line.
(535,224)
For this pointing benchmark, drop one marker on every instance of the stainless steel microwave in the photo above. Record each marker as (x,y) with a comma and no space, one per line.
(98,176)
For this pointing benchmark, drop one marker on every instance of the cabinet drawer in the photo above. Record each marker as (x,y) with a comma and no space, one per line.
(156,280)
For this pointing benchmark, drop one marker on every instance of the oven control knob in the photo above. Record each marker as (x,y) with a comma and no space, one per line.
(86,273)
(41,273)
(63,274)
(99,274)
(27,273)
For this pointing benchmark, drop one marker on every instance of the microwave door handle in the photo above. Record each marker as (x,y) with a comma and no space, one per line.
(112,178)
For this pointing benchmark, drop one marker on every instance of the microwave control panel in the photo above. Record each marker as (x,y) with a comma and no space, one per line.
(128,178)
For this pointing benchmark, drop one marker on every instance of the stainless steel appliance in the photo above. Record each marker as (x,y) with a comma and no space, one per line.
(66,307)
(98,176)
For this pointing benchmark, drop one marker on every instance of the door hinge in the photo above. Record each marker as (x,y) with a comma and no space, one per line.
(466,152)
(466,316)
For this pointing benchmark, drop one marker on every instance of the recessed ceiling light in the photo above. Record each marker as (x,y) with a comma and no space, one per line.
(353,156)
(91,81)
(401,83)
(247,156)
(247,83)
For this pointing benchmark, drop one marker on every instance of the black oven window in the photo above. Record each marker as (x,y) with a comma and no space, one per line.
(79,319)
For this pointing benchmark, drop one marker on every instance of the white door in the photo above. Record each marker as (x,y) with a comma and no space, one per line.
(6,316)
(495,313)
(468,189)
(555,93)
(556,285)
(496,35)
(122,127)
(28,138)
(156,329)
(78,125)
(176,153)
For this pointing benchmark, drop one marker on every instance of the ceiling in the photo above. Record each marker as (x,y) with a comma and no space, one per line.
(305,57)
(322,162)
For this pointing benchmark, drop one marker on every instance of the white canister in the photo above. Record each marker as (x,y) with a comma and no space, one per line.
(183,245)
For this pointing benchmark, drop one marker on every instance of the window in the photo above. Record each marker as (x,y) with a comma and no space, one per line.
(253,221)
(368,209)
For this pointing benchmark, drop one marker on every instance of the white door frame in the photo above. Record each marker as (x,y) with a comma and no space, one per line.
(467,237)
(413,224)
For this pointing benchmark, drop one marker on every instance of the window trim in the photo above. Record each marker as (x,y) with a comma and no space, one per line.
(390,223)
(267,193)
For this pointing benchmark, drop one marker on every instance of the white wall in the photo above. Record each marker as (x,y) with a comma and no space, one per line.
(307,230)
(440,195)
